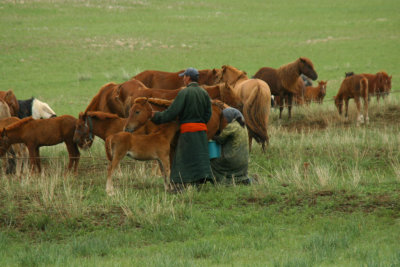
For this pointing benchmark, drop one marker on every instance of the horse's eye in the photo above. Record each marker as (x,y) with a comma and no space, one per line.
(137,112)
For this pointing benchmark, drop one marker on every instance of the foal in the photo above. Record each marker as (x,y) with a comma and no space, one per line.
(154,146)
(44,132)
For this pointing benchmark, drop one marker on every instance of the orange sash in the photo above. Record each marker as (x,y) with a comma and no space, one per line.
(191,127)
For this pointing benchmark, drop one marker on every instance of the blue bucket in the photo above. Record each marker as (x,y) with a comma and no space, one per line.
(214,149)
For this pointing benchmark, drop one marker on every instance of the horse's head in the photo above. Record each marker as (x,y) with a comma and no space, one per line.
(228,96)
(4,142)
(384,81)
(216,74)
(41,110)
(307,68)
(338,104)
(139,113)
(82,135)
(230,75)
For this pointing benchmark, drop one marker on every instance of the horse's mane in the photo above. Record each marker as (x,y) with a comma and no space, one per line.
(218,103)
(102,115)
(96,99)
(19,123)
(239,73)
(154,101)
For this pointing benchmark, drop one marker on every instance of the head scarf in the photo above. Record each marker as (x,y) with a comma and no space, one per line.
(231,114)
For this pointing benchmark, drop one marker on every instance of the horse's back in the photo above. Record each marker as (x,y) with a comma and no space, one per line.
(160,79)
(270,76)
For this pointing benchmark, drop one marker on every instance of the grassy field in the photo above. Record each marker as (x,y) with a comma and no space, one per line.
(328,191)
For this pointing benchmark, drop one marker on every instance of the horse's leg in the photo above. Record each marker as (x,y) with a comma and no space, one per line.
(163,164)
(117,156)
(74,155)
(290,101)
(250,139)
(33,155)
(19,159)
(366,118)
(346,103)
(280,103)
(360,118)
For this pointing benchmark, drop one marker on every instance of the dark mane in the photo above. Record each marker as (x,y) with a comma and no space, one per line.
(19,123)
(25,108)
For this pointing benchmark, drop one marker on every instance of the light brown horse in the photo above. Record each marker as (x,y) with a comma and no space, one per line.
(105,100)
(11,100)
(222,91)
(43,132)
(354,86)
(316,93)
(284,80)
(255,96)
(170,80)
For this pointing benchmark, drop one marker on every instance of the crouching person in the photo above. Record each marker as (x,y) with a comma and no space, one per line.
(231,167)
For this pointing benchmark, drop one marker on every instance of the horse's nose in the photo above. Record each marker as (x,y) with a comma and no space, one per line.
(129,130)
(53,116)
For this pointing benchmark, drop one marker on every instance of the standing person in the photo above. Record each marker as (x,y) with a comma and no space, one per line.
(192,107)
(232,165)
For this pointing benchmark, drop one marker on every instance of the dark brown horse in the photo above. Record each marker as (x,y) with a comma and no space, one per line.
(354,86)
(170,80)
(43,132)
(284,80)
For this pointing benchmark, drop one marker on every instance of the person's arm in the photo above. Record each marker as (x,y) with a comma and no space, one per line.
(225,134)
(171,112)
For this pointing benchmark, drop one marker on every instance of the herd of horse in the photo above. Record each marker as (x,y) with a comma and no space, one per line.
(120,113)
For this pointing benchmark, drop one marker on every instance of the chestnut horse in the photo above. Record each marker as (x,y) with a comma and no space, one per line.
(105,100)
(44,132)
(255,96)
(379,84)
(316,94)
(284,80)
(170,80)
(11,100)
(354,86)
(222,91)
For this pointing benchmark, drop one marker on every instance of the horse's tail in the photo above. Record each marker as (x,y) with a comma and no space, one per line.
(108,145)
(364,88)
(256,112)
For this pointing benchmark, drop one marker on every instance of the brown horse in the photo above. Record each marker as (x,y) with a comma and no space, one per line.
(379,84)
(170,80)
(105,100)
(11,100)
(316,94)
(44,132)
(284,80)
(255,96)
(101,124)
(222,91)
(354,86)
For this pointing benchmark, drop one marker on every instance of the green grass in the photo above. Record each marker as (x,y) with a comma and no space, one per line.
(328,192)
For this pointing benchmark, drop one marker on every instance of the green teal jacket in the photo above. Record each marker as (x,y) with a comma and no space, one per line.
(192,104)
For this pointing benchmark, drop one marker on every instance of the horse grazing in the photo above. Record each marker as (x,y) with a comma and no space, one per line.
(255,96)
(37,133)
(379,84)
(354,86)
(316,93)
(284,80)
(170,80)
(11,100)
(35,108)
(105,100)
(16,158)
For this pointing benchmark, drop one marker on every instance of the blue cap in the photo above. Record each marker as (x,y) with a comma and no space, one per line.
(191,72)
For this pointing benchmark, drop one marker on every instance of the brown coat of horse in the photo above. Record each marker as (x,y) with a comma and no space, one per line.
(11,100)
(170,80)
(379,84)
(43,132)
(222,91)
(255,96)
(284,80)
(355,86)
(316,93)
(105,100)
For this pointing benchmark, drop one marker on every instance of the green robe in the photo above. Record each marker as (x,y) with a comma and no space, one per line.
(191,162)
(233,163)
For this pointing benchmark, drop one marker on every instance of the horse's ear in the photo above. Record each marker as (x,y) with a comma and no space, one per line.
(117,92)
(302,59)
